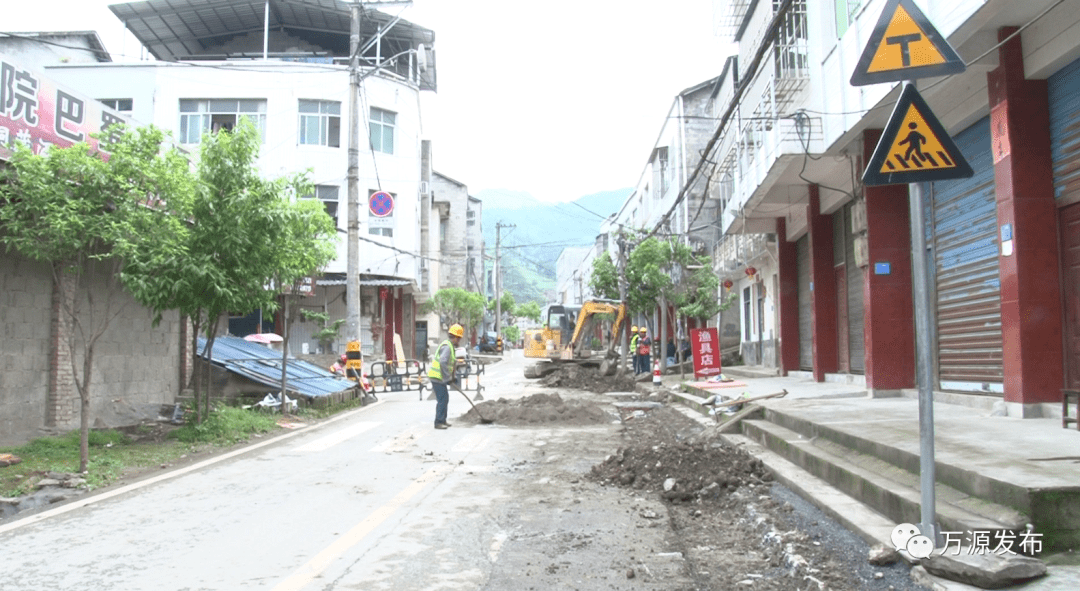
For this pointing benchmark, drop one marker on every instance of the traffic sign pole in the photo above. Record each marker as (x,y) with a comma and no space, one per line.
(919,269)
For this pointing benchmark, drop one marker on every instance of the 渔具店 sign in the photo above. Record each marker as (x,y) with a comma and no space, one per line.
(706,347)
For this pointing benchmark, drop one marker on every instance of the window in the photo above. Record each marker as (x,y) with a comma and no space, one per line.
(470,217)
(328,194)
(389,232)
(382,130)
(199,116)
(845,15)
(122,105)
(320,123)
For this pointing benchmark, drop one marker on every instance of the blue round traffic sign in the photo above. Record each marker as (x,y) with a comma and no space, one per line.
(381,204)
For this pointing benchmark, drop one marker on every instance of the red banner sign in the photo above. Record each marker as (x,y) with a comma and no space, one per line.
(38,113)
(706,348)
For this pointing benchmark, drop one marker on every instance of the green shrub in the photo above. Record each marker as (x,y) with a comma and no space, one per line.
(225,425)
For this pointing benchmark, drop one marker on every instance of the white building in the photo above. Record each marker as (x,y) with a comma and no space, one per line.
(212,72)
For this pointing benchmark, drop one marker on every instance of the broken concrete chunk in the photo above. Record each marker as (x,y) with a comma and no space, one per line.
(988,571)
(882,555)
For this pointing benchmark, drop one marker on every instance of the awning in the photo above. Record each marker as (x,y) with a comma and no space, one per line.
(369,282)
(263,365)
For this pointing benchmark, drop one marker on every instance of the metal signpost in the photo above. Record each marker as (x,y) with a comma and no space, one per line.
(915,149)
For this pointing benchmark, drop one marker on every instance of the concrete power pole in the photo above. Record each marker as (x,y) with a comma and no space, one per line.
(352,274)
(498,274)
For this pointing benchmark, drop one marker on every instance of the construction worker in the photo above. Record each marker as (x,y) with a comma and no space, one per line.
(441,373)
(633,349)
(643,349)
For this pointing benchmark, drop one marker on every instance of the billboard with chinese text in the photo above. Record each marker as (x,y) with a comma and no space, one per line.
(39,113)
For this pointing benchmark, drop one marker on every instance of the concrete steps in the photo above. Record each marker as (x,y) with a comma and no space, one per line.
(889,489)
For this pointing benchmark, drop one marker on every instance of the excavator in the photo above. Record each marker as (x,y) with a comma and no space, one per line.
(585,334)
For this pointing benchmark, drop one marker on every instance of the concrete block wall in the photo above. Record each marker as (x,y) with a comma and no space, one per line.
(136,365)
(25,319)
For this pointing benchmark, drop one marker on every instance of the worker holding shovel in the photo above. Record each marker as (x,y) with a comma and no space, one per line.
(441,373)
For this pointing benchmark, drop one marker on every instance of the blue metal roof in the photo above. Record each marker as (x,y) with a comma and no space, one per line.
(263,365)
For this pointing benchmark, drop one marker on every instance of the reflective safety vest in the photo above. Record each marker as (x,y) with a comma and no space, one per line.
(435,371)
(633,344)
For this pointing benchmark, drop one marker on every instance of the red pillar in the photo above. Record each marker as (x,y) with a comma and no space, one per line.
(789,300)
(888,319)
(1023,179)
(822,288)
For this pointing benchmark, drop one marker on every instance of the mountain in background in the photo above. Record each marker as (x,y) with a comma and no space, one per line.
(541,231)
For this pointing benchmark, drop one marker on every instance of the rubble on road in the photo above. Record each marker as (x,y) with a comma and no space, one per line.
(540,409)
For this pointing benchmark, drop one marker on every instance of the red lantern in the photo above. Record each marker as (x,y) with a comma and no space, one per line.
(728,284)
(750,271)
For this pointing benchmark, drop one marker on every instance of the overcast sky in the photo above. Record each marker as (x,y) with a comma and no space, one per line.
(556,99)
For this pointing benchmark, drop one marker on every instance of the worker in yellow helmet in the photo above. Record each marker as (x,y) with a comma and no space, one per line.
(441,373)
(633,349)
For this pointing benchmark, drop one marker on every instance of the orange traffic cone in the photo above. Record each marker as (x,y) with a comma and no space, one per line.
(656,372)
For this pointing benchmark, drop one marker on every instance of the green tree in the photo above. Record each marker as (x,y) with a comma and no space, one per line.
(303,241)
(530,310)
(93,220)
(455,305)
(511,334)
(231,247)
(506,304)
(604,279)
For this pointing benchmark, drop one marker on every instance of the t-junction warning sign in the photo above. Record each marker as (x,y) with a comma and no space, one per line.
(914,147)
(905,46)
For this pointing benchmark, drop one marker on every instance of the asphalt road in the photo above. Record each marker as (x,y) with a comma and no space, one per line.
(372,499)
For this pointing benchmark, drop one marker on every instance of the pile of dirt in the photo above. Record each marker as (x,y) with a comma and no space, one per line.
(587,378)
(681,471)
(540,409)
(735,531)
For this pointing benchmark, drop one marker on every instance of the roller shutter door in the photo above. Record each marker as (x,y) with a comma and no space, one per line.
(1063,89)
(806,336)
(855,280)
(968,281)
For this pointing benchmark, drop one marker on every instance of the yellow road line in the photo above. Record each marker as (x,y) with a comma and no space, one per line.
(314,567)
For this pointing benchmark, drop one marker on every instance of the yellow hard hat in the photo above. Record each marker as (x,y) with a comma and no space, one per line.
(633,328)
(644,329)
(457,331)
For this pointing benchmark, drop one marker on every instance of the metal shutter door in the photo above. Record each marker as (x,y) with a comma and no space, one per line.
(1063,90)
(806,337)
(855,284)
(966,267)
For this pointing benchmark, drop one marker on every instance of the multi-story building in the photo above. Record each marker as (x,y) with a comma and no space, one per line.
(831,292)
(676,194)
(290,75)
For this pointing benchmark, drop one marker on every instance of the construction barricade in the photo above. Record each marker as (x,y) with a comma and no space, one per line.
(398,376)
(468,372)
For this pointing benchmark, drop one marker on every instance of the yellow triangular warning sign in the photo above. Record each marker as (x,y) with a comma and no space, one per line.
(914,147)
(905,46)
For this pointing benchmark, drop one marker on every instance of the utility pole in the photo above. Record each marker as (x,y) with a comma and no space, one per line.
(352,252)
(352,274)
(498,274)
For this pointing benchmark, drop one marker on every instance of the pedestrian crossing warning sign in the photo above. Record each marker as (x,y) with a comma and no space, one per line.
(905,46)
(914,147)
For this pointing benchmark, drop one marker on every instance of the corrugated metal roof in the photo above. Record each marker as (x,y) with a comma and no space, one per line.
(182,29)
(263,365)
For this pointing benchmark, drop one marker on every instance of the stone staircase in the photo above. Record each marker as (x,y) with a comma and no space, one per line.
(867,485)
(886,479)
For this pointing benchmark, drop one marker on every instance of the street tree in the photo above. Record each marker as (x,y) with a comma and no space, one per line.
(96,220)
(455,305)
(529,310)
(302,241)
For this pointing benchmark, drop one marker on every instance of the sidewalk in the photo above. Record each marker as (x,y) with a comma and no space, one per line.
(1032,465)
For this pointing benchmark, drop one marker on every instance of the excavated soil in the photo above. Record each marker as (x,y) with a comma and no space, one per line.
(540,409)
(735,531)
(587,378)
